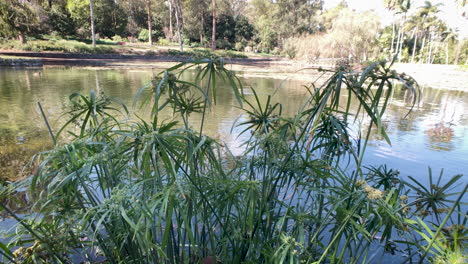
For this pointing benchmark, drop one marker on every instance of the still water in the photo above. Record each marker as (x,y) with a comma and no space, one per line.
(435,134)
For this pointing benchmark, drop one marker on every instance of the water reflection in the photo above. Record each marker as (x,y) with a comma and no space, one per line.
(413,148)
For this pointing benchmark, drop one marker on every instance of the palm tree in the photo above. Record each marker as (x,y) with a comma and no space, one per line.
(424,21)
(404,7)
(463,10)
(398,7)
(427,13)
(413,24)
(447,36)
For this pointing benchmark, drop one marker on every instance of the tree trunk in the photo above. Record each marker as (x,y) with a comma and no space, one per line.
(150,32)
(428,60)
(393,38)
(402,38)
(457,53)
(397,52)
(414,47)
(421,55)
(400,45)
(213,32)
(436,49)
(93,32)
(178,16)
(202,32)
(447,52)
(22,38)
(170,21)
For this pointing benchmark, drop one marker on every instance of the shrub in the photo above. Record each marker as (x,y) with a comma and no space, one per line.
(143,35)
(239,46)
(163,42)
(117,38)
(150,53)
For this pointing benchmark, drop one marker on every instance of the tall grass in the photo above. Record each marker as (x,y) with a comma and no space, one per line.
(161,191)
(72,46)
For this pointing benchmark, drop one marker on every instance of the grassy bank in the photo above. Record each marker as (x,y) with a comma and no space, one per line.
(162,191)
(114,47)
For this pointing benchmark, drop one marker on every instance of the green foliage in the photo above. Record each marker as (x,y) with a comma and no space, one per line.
(296,17)
(229,29)
(200,53)
(144,35)
(244,30)
(57,45)
(108,17)
(296,29)
(17,18)
(60,21)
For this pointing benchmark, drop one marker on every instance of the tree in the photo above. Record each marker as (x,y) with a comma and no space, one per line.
(463,10)
(260,14)
(296,17)
(59,19)
(448,36)
(426,14)
(109,17)
(196,12)
(17,19)
(176,4)
(354,34)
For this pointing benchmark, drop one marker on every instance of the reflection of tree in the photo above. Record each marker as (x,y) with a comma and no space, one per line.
(16,151)
(17,202)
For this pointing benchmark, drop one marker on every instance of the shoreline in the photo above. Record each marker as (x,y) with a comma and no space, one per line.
(448,77)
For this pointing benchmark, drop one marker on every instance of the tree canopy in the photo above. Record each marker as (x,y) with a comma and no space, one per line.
(17,18)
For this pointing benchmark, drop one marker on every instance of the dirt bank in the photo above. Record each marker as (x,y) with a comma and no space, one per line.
(449,77)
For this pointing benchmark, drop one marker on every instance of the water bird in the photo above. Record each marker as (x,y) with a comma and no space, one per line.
(20,139)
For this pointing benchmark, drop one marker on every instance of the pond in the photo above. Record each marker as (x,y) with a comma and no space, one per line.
(434,134)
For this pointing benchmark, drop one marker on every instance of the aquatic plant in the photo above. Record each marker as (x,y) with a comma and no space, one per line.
(156,191)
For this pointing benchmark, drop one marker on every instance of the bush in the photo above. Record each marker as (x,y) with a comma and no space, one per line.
(289,50)
(195,45)
(59,45)
(239,46)
(223,44)
(164,42)
(150,53)
(231,54)
(118,38)
(143,35)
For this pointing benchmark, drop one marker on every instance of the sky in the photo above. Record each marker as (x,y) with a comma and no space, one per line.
(449,12)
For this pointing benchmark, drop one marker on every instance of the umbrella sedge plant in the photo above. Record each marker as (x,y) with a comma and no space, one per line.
(154,190)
